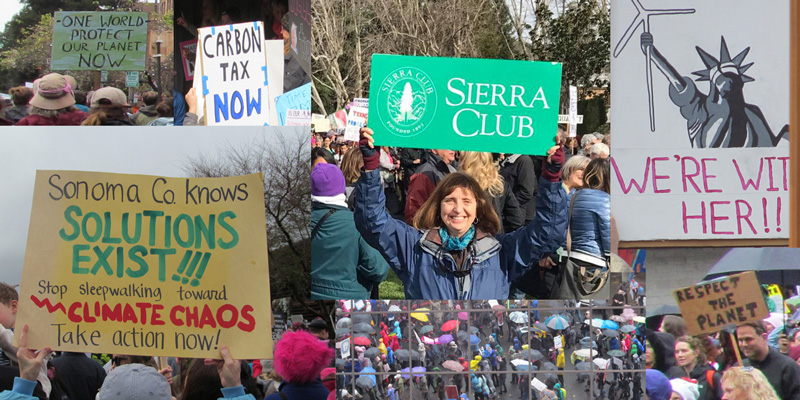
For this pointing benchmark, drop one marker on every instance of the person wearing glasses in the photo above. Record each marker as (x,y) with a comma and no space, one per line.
(453,251)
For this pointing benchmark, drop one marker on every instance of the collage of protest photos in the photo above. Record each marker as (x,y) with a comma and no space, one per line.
(443,217)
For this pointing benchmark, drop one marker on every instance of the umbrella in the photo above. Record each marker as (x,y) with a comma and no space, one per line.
(425,329)
(394,308)
(601,363)
(518,317)
(585,353)
(618,318)
(342,332)
(588,342)
(359,318)
(639,319)
(616,353)
(532,355)
(463,316)
(362,341)
(542,327)
(548,366)
(445,339)
(340,363)
(461,335)
(450,325)
(473,329)
(556,322)
(372,352)
(665,309)
(474,339)
(428,340)
(453,365)
(419,317)
(628,313)
(343,323)
(525,367)
(365,382)
(609,325)
(610,333)
(403,355)
(413,371)
(583,366)
(772,265)
(519,362)
(595,323)
(362,327)
(627,329)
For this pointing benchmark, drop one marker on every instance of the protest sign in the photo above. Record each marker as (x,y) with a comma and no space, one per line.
(451,391)
(501,106)
(573,111)
(274,74)
(278,326)
(99,40)
(361,102)
(356,119)
(700,163)
(711,305)
(300,32)
(188,56)
(298,117)
(234,76)
(295,99)
(557,342)
(147,265)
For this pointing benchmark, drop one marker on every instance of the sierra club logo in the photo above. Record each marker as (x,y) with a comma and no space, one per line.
(410,101)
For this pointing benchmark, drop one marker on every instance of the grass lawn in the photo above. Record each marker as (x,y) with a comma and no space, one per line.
(392,288)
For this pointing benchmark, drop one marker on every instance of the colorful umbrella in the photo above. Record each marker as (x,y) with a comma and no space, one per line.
(609,325)
(463,316)
(414,371)
(616,353)
(474,339)
(627,329)
(518,317)
(640,319)
(450,325)
(425,329)
(361,341)
(595,322)
(556,322)
(419,317)
(444,339)
(428,340)
(453,365)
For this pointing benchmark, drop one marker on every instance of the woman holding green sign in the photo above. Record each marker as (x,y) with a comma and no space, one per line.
(453,250)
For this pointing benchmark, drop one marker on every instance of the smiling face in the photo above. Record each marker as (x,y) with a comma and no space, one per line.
(684,355)
(458,210)
(752,344)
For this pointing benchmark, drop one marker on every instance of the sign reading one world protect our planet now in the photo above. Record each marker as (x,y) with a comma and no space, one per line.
(464,104)
(147,265)
(99,41)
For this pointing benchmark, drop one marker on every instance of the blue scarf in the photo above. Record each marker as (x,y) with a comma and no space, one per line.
(451,243)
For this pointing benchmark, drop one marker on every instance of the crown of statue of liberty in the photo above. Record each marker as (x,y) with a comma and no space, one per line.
(724,64)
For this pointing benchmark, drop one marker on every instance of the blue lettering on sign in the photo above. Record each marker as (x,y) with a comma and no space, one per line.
(264,68)
(205,85)
(235,109)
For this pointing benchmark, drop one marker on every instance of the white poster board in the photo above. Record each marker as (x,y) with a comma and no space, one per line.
(233,77)
(707,161)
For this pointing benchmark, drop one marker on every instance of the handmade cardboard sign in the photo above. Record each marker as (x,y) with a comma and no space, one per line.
(295,99)
(356,119)
(234,78)
(188,57)
(99,41)
(147,265)
(700,120)
(711,305)
(501,106)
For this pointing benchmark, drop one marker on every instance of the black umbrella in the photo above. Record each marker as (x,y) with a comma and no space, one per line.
(359,318)
(402,355)
(473,329)
(610,333)
(531,354)
(342,332)
(462,335)
(664,309)
(548,366)
(772,265)
(340,363)
(372,352)
(362,327)
(542,326)
(583,366)
(588,342)
(364,382)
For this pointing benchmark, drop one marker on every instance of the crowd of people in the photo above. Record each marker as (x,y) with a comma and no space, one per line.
(517,349)
(301,369)
(757,360)
(459,225)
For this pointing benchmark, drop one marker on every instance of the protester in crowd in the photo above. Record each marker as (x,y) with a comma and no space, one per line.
(335,242)
(231,15)
(572,174)
(300,357)
(351,165)
(660,354)
(424,181)
(165,116)
(746,383)
(781,371)
(674,325)
(690,355)
(519,172)
(479,165)
(452,251)
(148,113)
(683,389)
(587,141)
(109,108)
(598,150)
(320,155)
(658,386)
(81,376)
(389,169)
(20,97)
(53,103)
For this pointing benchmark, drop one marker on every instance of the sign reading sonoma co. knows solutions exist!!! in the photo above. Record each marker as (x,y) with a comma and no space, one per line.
(464,104)
(147,265)
(99,41)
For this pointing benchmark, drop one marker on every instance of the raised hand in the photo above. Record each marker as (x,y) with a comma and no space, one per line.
(30,362)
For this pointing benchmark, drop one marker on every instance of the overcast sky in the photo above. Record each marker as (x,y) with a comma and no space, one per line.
(146,150)
(10,8)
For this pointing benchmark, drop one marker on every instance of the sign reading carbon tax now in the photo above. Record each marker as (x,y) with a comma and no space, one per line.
(99,41)
(464,104)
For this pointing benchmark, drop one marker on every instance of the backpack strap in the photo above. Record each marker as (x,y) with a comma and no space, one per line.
(321,220)
(710,378)
(283,395)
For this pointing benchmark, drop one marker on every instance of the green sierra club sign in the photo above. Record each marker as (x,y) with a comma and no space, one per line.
(99,40)
(464,103)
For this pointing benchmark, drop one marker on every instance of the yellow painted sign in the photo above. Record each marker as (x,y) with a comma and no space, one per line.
(147,265)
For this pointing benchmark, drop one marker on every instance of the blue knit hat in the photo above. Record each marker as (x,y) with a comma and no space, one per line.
(327,180)
(657,385)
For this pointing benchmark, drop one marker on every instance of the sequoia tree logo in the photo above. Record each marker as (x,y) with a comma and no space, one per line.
(408,99)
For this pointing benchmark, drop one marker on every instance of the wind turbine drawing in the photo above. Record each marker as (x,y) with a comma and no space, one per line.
(643,18)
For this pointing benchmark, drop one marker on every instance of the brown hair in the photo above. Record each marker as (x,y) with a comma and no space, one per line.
(351,164)
(8,293)
(150,97)
(595,175)
(429,215)
(694,344)
(674,325)
(103,113)
(758,326)
(21,95)
(164,109)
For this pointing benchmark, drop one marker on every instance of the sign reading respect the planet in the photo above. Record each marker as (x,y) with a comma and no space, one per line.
(233,62)
(464,104)
(732,300)
(147,265)
(99,40)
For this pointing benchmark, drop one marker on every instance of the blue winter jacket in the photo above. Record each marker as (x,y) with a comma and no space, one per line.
(426,269)
(590,224)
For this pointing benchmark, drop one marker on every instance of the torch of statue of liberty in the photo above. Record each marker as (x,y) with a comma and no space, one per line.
(720,118)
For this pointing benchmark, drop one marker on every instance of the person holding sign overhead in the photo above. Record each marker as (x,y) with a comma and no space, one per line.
(453,250)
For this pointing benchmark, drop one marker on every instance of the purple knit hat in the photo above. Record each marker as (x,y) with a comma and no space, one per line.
(327,180)
(657,385)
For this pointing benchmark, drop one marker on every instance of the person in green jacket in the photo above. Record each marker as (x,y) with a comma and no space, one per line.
(343,265)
